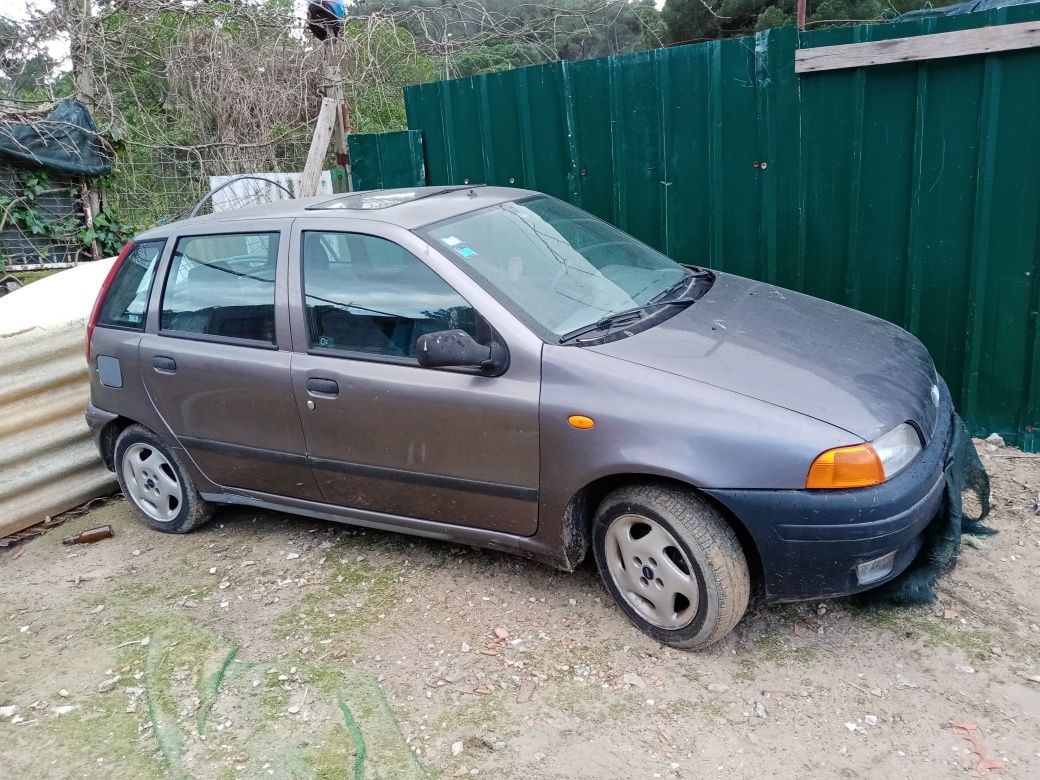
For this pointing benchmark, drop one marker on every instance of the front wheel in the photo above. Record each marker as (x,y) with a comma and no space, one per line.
(156,483)
(672,563)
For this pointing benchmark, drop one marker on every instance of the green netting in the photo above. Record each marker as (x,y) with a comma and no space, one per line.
(65,140)
(964,472)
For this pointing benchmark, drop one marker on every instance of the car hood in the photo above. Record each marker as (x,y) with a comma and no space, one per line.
(835,364)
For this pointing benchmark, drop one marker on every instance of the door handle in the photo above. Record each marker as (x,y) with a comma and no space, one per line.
(164,364)
(323,386)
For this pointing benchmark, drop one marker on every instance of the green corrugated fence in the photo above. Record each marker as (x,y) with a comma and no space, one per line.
(910,191)
(385,160)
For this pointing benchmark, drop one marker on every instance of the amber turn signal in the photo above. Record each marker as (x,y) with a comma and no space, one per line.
(581,421)
(846,467)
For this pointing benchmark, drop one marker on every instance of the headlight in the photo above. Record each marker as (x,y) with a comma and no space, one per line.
(862,465)
(897,448)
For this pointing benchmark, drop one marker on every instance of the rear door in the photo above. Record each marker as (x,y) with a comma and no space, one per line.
(216,360)
(384,434)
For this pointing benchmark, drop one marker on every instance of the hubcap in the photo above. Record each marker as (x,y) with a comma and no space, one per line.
(151,482)
(652,572)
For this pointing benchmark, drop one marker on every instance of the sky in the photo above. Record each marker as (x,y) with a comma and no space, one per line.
(20,10)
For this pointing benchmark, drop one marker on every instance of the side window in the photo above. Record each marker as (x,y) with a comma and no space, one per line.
(367,294)
(222,286)
(126,304)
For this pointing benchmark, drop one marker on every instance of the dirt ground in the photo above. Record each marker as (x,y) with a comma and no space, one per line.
(268,646)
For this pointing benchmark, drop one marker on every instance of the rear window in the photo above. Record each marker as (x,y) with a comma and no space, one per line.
(126,304)
(222,287)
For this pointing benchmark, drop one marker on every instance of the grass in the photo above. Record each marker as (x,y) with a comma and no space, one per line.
(325,615)
(692,709)
(593,704)
(933,630)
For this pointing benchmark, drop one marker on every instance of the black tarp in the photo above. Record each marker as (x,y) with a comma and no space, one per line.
(65,140)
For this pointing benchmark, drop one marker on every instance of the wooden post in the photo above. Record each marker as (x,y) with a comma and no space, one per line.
(801,14)
(319,146)
(334,90)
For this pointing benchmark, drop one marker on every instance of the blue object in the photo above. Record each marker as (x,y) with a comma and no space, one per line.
(325,18)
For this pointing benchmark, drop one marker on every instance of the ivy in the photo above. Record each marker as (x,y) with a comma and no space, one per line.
(26,212)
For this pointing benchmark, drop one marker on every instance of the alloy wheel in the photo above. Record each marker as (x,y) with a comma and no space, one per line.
(151,482)
(652,572)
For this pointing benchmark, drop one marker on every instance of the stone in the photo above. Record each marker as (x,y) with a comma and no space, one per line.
(630,678)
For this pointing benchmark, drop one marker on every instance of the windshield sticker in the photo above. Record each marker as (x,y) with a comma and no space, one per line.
(465,251)
(452,241)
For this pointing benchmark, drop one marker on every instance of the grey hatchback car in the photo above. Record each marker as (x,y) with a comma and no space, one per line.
(495,367)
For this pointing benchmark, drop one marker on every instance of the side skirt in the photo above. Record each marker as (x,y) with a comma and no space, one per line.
(524,546)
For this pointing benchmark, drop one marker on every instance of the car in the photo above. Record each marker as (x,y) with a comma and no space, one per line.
(494,367)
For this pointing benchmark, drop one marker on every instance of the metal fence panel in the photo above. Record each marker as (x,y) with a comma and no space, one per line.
(910,191)
(381,160)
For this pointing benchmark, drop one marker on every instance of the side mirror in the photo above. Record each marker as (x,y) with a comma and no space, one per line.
(457,349)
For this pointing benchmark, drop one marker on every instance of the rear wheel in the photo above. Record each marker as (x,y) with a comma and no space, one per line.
(156,483)
(672,563)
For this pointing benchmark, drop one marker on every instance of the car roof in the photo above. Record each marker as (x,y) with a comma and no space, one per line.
(407,207)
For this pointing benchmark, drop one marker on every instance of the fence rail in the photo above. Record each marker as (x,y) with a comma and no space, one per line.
(910,190)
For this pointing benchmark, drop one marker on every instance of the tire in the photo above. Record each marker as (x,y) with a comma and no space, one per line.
(644,536)
(156,484)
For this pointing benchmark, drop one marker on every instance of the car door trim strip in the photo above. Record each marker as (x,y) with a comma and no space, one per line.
(428,480)
(498,489)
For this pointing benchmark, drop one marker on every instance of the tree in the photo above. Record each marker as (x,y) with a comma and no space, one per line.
(687,21)
(480,36)
(25,71)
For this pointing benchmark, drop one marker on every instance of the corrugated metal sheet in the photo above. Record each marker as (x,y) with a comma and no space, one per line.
(910,191)
(381,160)
(48,462)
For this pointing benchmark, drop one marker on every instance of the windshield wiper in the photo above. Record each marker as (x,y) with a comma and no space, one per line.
(637,313)
(628,315)
(605,323)
(680,286)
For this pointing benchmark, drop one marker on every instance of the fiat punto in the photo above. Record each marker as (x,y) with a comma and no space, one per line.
(495,367)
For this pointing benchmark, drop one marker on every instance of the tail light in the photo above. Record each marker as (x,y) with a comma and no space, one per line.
(96,311)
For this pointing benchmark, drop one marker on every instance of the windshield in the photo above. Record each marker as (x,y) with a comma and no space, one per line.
(560,268)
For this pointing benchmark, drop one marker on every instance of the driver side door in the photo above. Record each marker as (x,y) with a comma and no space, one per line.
(382,433)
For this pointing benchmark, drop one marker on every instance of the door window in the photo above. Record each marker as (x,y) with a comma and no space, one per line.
(222,287)
(126,303)
(368,295)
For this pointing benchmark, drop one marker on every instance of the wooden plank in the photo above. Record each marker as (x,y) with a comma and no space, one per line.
(319,147)
(983,40)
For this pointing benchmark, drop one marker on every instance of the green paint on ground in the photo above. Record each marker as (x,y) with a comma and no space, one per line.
(212,688)
(357,737)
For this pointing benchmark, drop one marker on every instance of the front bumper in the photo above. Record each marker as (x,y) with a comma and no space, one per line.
(810,542)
